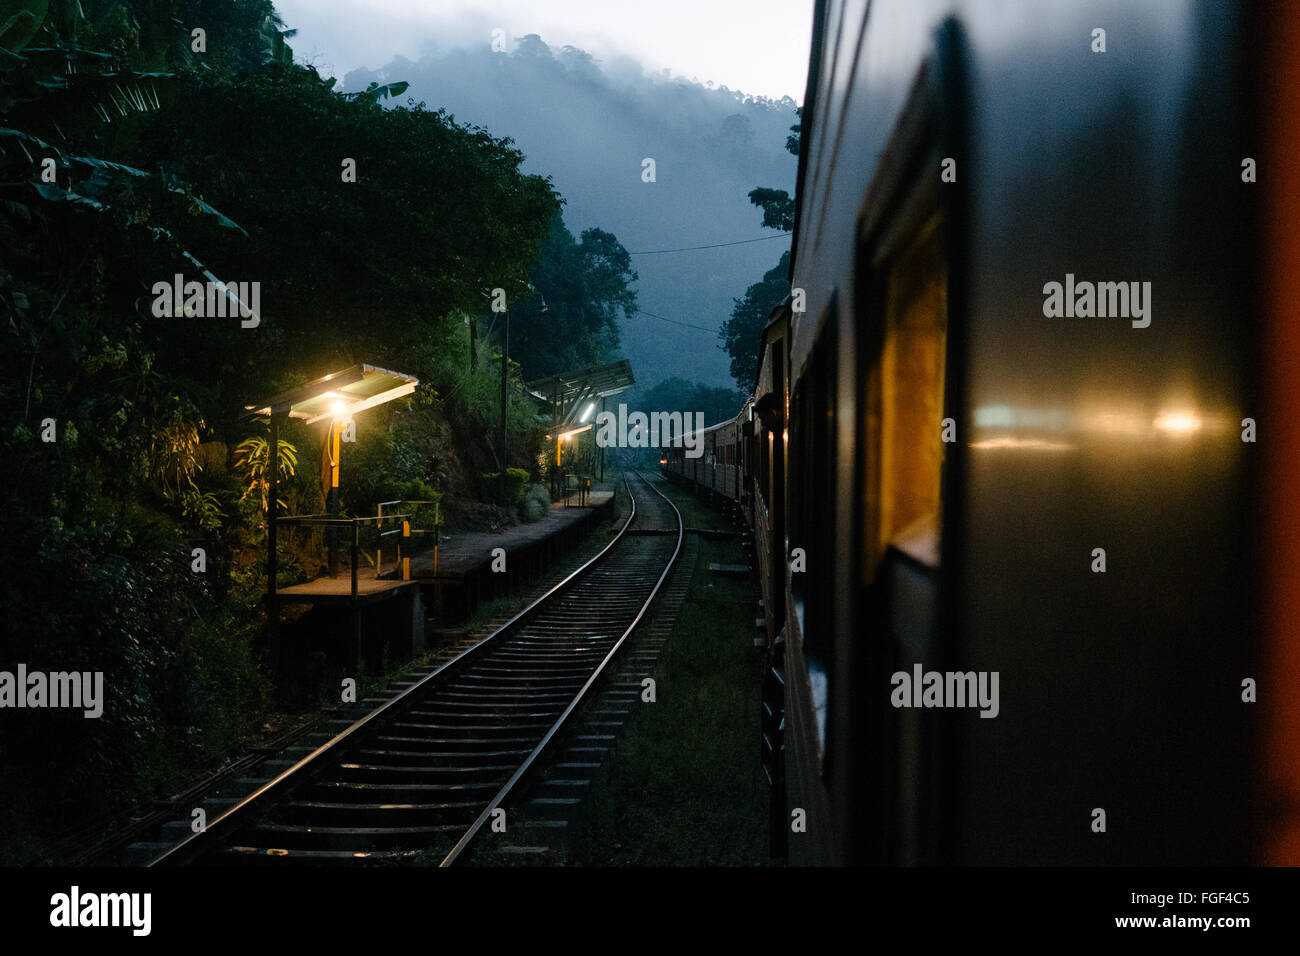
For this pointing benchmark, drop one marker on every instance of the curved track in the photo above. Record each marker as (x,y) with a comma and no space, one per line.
(425,771)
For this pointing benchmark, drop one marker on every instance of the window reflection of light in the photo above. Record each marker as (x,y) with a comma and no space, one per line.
(1178,423)
(1023,444)
(1115,422)
(1112,418)
(994,416)
(1005,416)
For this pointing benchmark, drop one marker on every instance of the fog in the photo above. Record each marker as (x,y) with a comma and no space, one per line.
(589,124)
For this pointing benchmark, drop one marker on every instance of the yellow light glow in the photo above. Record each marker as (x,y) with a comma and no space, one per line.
(1178,423)
(1022,444)
(1115,422)
(339,409)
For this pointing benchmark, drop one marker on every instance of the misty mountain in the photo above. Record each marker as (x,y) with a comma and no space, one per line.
(589,125)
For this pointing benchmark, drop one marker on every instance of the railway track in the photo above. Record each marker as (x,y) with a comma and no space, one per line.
(427,771)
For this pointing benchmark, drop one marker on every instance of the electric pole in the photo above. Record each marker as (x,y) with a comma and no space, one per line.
(505,369)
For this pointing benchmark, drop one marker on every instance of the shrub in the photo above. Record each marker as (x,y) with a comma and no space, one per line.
(536,504)
(516,482)
(415,490)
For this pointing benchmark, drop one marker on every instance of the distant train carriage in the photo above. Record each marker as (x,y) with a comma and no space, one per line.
(712,464)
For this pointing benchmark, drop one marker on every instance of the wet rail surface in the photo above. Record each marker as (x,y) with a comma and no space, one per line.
(426,771)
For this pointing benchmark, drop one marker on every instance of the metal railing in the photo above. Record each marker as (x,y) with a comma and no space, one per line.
(407,532)
(579,486)
(333,524)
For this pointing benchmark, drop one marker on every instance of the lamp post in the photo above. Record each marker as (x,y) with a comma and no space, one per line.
(337,422)
(505,374)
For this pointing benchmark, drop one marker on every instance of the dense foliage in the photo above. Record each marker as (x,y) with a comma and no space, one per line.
(133,149)
(581,292)
(742,334)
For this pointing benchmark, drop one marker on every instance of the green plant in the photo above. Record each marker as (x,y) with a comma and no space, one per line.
(516,482)
(172,454)
(416,490)
(202,507)
(250,463)
(536,504)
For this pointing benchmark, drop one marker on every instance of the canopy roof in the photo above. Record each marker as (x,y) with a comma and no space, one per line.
(339,394)
(568,391)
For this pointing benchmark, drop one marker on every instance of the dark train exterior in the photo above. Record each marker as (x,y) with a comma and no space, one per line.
(717,469)
(1083,488)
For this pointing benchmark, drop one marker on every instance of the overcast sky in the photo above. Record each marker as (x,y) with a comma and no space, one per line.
(758,46)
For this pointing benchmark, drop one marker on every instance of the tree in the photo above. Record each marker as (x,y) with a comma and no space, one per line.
(777,204)
(580,292)
(351,271)
(679,395)
(741,334)
(109,510)
(162,157)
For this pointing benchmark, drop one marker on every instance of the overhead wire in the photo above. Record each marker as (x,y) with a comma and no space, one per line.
(716,245)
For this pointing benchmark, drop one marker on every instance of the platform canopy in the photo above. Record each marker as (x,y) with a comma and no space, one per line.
(570,393)
(339,395)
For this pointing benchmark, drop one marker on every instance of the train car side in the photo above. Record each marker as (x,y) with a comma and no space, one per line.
(963,458)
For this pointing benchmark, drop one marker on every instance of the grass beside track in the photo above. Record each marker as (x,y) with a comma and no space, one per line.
(686,787)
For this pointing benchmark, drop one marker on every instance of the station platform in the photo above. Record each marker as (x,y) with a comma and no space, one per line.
(335,590)
(462,554)
(464,577)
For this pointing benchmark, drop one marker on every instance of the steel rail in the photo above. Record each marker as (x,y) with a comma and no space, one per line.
(197,843)
(577,701)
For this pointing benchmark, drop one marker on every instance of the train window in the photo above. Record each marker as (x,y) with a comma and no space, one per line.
(902,295)
(914,314)
(904,328)
(812,512)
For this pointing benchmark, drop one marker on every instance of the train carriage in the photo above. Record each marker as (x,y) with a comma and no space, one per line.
(965,454)
(1004,444)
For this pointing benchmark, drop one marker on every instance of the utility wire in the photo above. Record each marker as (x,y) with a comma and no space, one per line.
(675,322)
(716,245)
